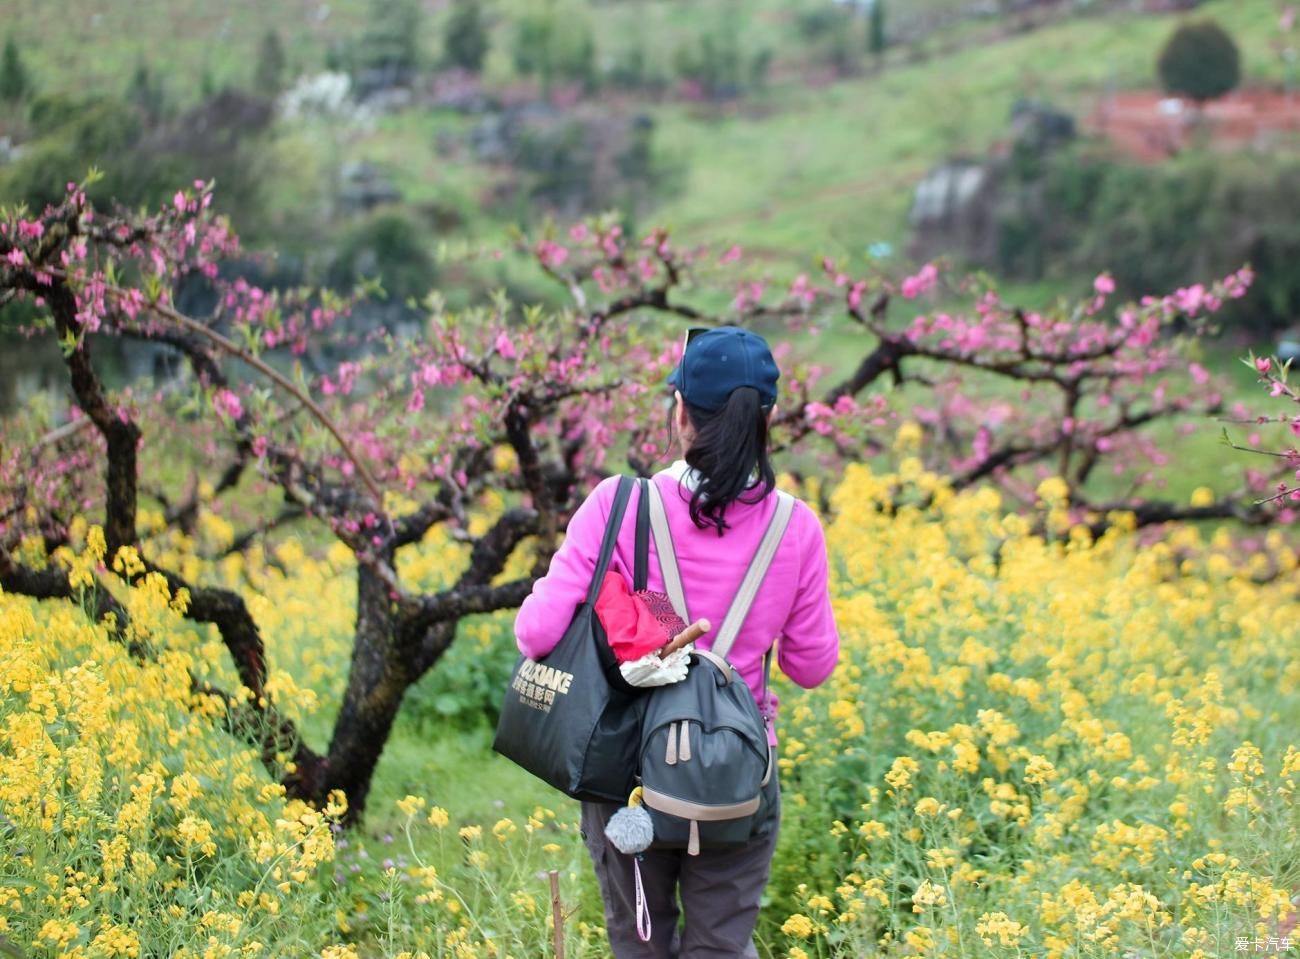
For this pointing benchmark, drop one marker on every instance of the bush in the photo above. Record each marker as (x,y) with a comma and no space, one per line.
(15,82)
(142,157)
(876,38)
(388,51)
(556,46)
(465,690)
(833,37)
(712,64)
(1200,61)
(268,79)
(390,247)
(72,135)
(465,41)
(630,69)
(147,93)
(1154,228)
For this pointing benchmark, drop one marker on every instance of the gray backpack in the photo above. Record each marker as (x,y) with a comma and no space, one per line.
(704,760)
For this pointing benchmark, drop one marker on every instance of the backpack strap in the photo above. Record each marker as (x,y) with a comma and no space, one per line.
(616,511)
(641,555)
(667,554)
(758,566)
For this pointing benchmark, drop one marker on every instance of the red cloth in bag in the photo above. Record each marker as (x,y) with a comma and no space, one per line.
(637,623)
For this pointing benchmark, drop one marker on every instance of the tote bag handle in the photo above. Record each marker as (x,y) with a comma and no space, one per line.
(616,511)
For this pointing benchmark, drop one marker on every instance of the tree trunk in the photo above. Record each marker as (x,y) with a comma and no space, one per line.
(379,678)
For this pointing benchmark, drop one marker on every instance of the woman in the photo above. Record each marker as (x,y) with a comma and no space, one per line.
(719,500)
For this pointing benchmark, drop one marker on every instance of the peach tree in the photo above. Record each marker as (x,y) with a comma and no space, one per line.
(384,436)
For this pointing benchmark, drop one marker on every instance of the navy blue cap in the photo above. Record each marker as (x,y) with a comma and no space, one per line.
(720,360)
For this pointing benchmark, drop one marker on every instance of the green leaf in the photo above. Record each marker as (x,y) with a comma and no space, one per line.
(448,704)
(68,343)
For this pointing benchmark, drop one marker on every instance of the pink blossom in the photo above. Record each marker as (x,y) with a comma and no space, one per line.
(16,257)
(552,255)
(504,346)
(731,256)
(226,403)
(32,229)
(260,445)
(1200,376)
(578,232)
(348,377)
(802,290)
(1104,284)
(855,294)
(818,415)
(914,286)
(178,201)
(1263,364)
(609,242)
(972,338)
(416,403)
(748,294)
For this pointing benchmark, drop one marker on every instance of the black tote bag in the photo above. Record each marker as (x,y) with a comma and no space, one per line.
(569,718)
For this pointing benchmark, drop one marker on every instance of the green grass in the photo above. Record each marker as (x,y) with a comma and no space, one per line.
(799,170)
(833,169)
(102,43)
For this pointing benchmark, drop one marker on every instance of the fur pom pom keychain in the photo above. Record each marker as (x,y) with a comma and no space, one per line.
(630,830)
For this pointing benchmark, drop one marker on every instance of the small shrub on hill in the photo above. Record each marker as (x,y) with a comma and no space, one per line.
(388,246)
(15,81)
(1200,61)
(465,41)
(269,76)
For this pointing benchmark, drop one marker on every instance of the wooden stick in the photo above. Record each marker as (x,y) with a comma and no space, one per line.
(688,635)
(557,913)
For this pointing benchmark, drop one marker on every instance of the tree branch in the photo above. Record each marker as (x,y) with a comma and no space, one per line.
(274,375)
(121,434)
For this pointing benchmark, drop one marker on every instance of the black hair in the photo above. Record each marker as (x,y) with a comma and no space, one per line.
(729,451)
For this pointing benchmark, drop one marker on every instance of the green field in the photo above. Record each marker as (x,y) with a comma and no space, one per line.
(801,168)
(800,171)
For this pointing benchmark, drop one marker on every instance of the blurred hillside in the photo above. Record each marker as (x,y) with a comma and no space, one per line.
(357,136)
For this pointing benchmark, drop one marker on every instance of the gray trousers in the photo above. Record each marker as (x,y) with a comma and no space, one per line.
(720,889)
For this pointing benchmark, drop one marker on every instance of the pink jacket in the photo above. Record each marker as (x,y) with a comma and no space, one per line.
(793,604)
